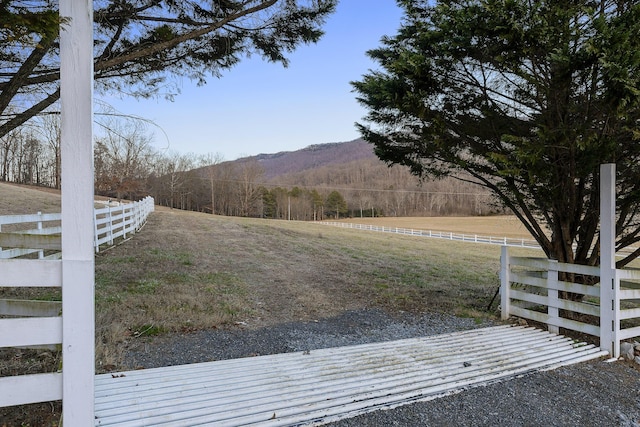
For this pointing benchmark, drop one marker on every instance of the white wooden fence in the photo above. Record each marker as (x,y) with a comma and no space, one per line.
(38,323)
(120,221)
(18,231)
(472,238)
(22,235)
(531,288)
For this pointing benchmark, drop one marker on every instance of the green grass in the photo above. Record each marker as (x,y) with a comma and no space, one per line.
(169,255)
(143,286)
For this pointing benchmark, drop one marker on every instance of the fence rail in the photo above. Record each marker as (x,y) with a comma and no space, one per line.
(472,238)
(532,288)
(121,221)
(39,233)
(40,324)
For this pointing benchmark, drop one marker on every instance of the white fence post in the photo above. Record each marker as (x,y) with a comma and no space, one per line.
(609,283)
(110,226)
(96,243)
(123,220)
(505,283)
(76,106)
(39,227)
(552,295)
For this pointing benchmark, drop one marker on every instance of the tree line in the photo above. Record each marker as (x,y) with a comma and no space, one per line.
(128,166)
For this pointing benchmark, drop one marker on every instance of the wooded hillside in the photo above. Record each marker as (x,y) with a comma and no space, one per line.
(332,181)
(321,181)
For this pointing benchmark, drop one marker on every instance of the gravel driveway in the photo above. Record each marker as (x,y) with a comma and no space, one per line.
(588,394)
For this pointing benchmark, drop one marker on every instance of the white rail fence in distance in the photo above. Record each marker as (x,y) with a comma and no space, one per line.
(459,237)
(120,221)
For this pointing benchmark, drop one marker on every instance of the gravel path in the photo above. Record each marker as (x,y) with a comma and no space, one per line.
(588,394)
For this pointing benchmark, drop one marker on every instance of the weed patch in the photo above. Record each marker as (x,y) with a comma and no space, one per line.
(148,330)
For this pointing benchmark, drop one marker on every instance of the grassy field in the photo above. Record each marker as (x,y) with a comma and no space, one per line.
(497,226)
(191,271)
(187,271)
(24,200)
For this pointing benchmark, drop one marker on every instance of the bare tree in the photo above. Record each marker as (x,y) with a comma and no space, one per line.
(8,147)
(250,175)
(209,161)
(123,157)
(50,128)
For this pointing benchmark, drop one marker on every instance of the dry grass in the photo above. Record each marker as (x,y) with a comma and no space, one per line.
(190,271)
(187,271)
(24,200)
(498,226)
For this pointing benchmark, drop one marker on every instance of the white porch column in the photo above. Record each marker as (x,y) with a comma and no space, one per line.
(609,285)
(78,318)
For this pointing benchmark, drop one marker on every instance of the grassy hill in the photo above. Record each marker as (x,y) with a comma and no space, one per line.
(22,200)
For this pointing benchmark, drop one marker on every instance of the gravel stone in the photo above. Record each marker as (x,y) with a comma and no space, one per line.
(350,328)
(595,393)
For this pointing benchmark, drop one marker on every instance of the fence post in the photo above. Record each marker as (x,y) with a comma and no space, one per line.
(76,150)
(124,222)
(552,295)
(505,283)
(110,226)
(40,252)
(96,245)
(609,282)
(135,211)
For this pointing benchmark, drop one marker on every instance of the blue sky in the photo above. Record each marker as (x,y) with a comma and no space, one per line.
(259,107)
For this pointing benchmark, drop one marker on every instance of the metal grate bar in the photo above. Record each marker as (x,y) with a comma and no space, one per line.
(330,384)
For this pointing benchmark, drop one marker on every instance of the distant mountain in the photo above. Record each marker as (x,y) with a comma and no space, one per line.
(312,157)
(259,185)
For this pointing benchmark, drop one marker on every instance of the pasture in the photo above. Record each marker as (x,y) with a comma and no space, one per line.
(497,226)
(188,271)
